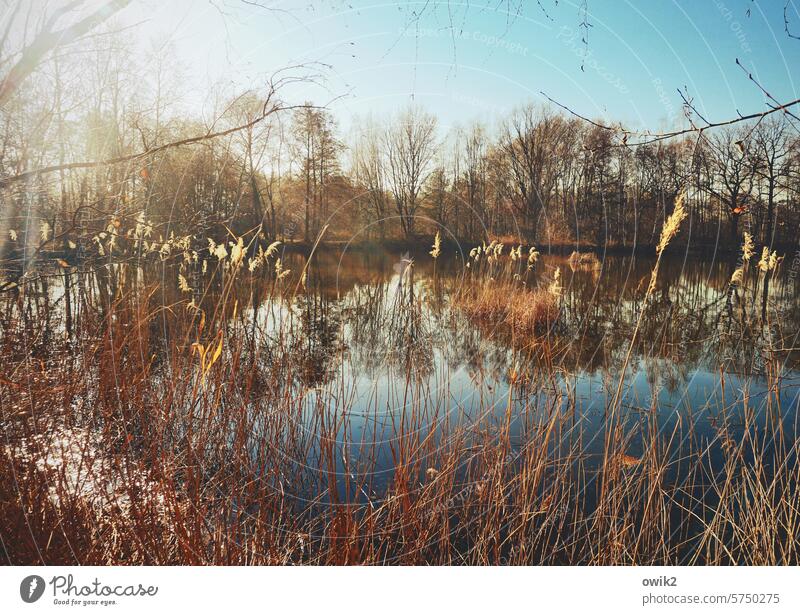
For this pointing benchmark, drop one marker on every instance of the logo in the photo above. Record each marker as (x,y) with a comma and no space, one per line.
(31,588)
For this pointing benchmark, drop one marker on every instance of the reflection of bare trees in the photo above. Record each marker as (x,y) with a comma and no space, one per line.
(365,316)
(318,340)
(406,321)
(687,321)
(388,326)
(408,335)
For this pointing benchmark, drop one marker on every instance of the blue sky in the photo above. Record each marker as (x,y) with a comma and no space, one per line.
(474,60)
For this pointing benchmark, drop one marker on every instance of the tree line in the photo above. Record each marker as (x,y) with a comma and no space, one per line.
(537,175)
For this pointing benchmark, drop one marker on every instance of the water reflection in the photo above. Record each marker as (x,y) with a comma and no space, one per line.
(379,333)
(403,342)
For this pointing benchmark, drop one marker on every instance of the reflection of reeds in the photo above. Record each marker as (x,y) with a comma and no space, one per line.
(668,233)
(119,450)
(285,479)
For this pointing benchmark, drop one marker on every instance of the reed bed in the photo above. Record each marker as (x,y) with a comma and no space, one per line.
(226,447)
(520,311)
(499,294)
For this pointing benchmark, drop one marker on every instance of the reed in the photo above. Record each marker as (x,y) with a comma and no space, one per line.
(226,448)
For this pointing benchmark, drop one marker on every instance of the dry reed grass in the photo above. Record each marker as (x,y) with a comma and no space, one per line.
(114,455)
(508,307)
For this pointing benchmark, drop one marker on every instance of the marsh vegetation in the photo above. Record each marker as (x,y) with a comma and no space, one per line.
(370,407)
(266,338)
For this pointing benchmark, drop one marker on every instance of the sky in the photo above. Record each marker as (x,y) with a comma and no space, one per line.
(477,60)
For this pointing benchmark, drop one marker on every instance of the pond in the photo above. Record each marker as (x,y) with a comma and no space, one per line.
(384,329)
(371,370)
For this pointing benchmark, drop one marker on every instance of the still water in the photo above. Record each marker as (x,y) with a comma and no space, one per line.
(384,338)
(384,351)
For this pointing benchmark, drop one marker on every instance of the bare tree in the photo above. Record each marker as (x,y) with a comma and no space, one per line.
(253,142)
(729,174)
(369,173)
(771,150)
(52,34)
(474,174)
(438,194)
(529,140)
(410,146)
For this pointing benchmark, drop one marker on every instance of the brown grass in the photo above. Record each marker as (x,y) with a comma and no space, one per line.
(508,307)
(110,465)
(117,451)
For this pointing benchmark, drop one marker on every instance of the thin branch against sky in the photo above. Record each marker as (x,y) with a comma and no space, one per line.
(465,59)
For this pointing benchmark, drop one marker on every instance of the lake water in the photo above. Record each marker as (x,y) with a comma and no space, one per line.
(388,358)
(384,340)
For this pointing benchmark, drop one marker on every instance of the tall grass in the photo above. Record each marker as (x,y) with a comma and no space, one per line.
(225,447)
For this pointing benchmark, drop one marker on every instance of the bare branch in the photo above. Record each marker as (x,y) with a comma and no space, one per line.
(652,137)
(71,166)
(48,40)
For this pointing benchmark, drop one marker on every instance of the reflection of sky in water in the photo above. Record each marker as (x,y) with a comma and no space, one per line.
(380,349)
(464,379)
(374,402)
